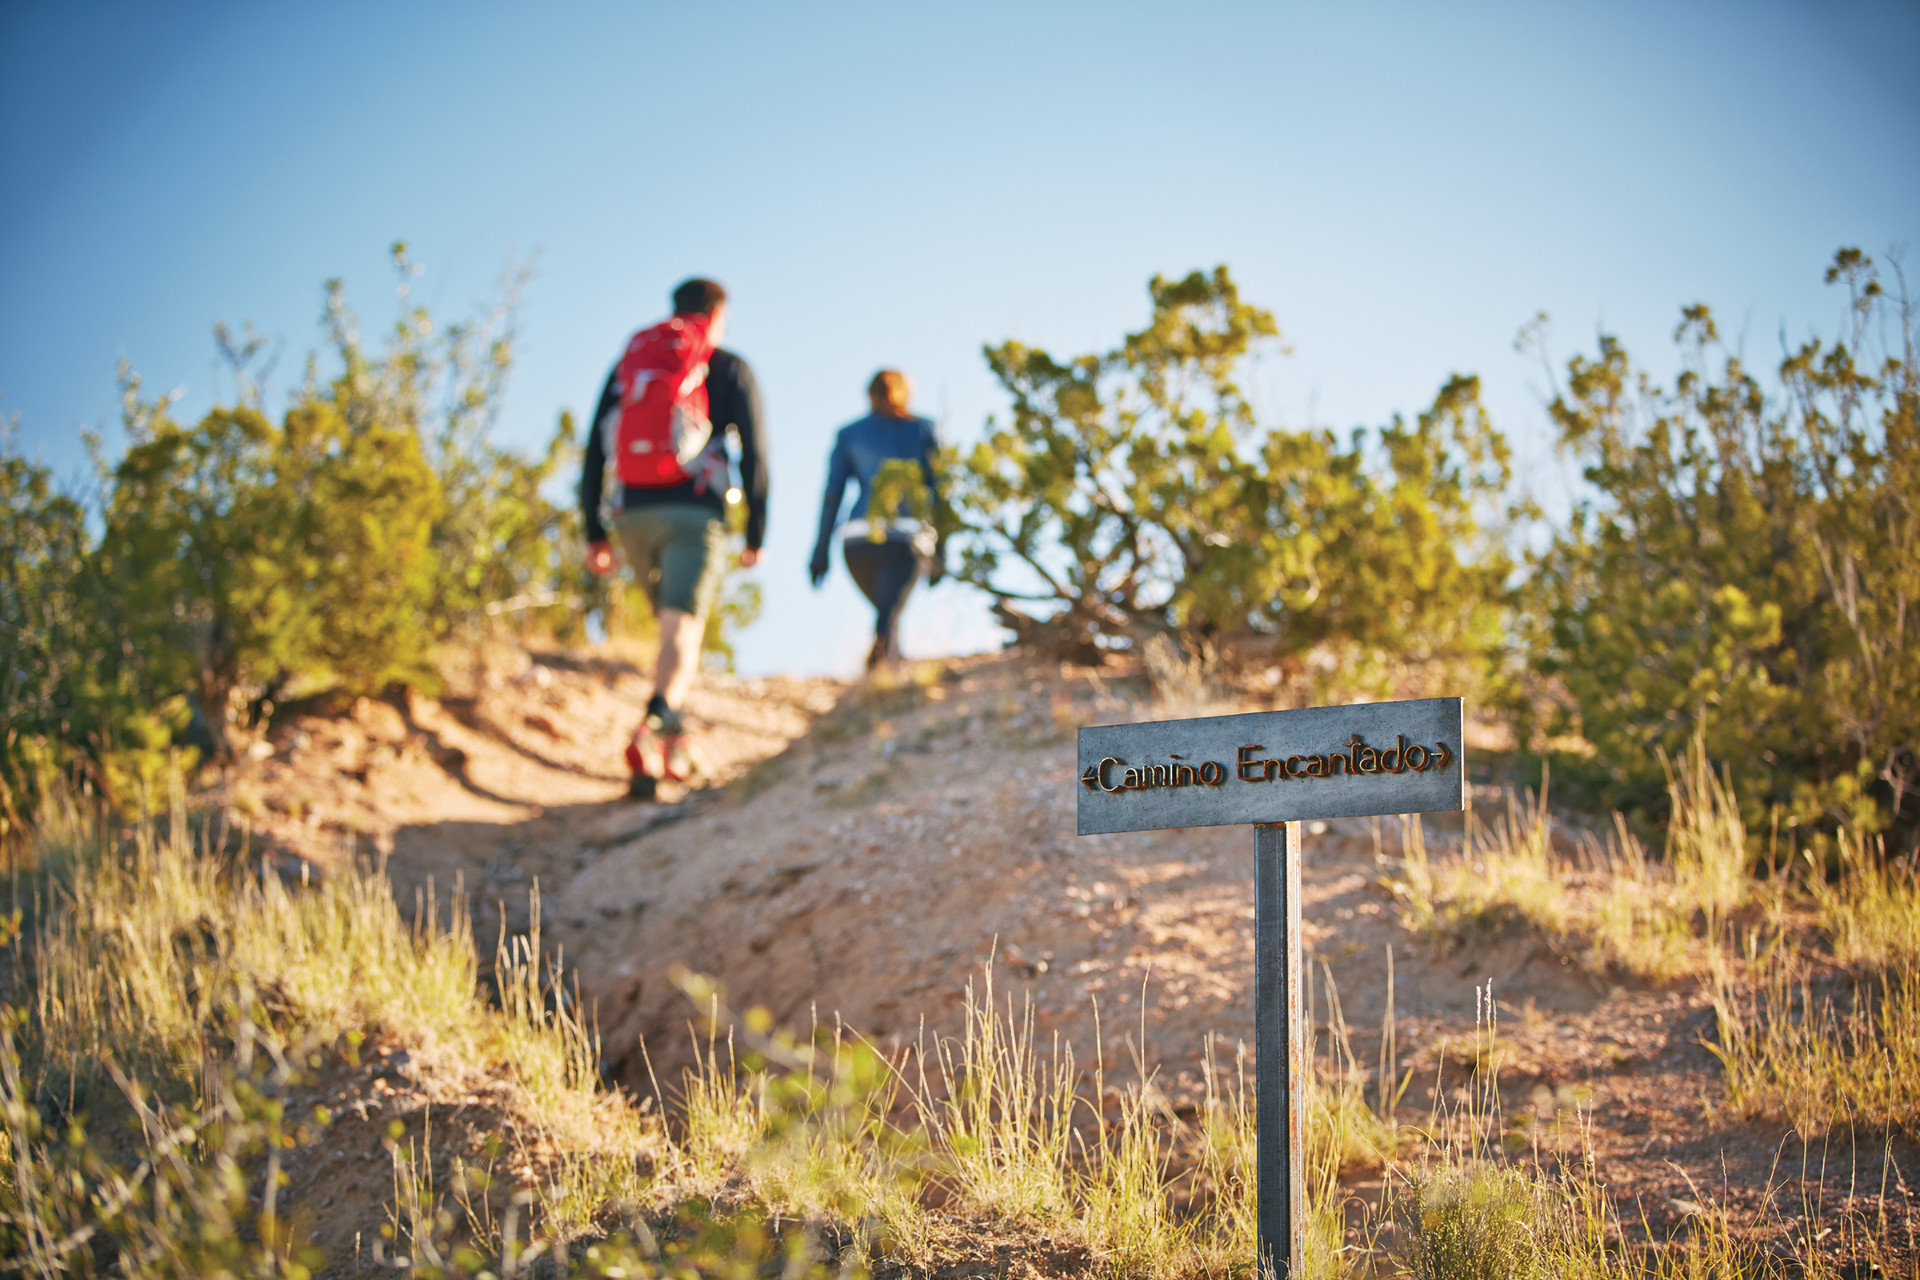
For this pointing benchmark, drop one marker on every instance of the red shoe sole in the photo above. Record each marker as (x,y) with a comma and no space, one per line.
(669,767)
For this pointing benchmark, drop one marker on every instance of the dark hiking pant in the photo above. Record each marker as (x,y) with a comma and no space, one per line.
(885,572)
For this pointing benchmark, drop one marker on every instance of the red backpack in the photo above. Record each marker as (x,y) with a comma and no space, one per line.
(663,403)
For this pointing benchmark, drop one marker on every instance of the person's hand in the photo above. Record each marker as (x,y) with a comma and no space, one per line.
(817,571)
(749,557)
(600,558)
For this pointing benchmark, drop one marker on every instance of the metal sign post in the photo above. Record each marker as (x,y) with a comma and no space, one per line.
(1271,770)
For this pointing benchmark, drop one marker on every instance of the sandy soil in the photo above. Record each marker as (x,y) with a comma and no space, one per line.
(864,853)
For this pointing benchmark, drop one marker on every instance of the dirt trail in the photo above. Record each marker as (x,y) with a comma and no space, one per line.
(510,780)
(863,853)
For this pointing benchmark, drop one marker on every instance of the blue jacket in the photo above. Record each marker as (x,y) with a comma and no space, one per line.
(858,453)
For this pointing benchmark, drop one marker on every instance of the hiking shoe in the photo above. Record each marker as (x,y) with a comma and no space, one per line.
(659,747)
(643,786)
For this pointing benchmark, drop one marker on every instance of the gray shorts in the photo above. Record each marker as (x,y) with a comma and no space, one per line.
(678,553)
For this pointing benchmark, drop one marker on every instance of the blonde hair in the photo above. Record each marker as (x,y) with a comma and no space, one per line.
(889,392)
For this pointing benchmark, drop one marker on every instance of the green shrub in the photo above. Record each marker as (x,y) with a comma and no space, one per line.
(1133,493)
(496,538)
(236,561)
(71,701)
(1746,566)
(43,544)
(242,554)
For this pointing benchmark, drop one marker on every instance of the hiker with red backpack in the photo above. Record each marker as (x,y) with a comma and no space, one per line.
(662,422)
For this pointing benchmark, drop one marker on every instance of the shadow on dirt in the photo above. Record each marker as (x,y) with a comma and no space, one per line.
(597,666)
(467,711)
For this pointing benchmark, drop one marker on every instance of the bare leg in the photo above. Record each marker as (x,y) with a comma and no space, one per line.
(679,658)
(680,635)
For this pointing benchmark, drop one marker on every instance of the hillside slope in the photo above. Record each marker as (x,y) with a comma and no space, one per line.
(865,852)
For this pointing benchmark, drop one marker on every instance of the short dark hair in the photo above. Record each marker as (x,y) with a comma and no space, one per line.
(698,297)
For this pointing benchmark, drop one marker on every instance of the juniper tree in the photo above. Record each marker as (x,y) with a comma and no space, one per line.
(1134,492)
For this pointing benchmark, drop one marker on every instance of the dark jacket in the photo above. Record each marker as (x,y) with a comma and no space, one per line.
(733,404)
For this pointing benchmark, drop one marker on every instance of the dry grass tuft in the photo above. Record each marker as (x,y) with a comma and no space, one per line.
(1608,902)
(1871,909)
(1821,1060)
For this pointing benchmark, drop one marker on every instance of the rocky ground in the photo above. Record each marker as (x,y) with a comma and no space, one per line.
(864,853)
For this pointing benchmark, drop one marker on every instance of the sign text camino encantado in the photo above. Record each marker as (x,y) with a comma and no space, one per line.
(1355,757)
(1272,766)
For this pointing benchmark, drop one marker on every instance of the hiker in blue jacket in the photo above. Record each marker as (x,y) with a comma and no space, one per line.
(885,550)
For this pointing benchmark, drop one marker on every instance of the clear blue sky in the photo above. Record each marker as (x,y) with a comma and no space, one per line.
(1404,185)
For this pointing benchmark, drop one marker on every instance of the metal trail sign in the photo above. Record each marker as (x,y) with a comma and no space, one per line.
(1272,769)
